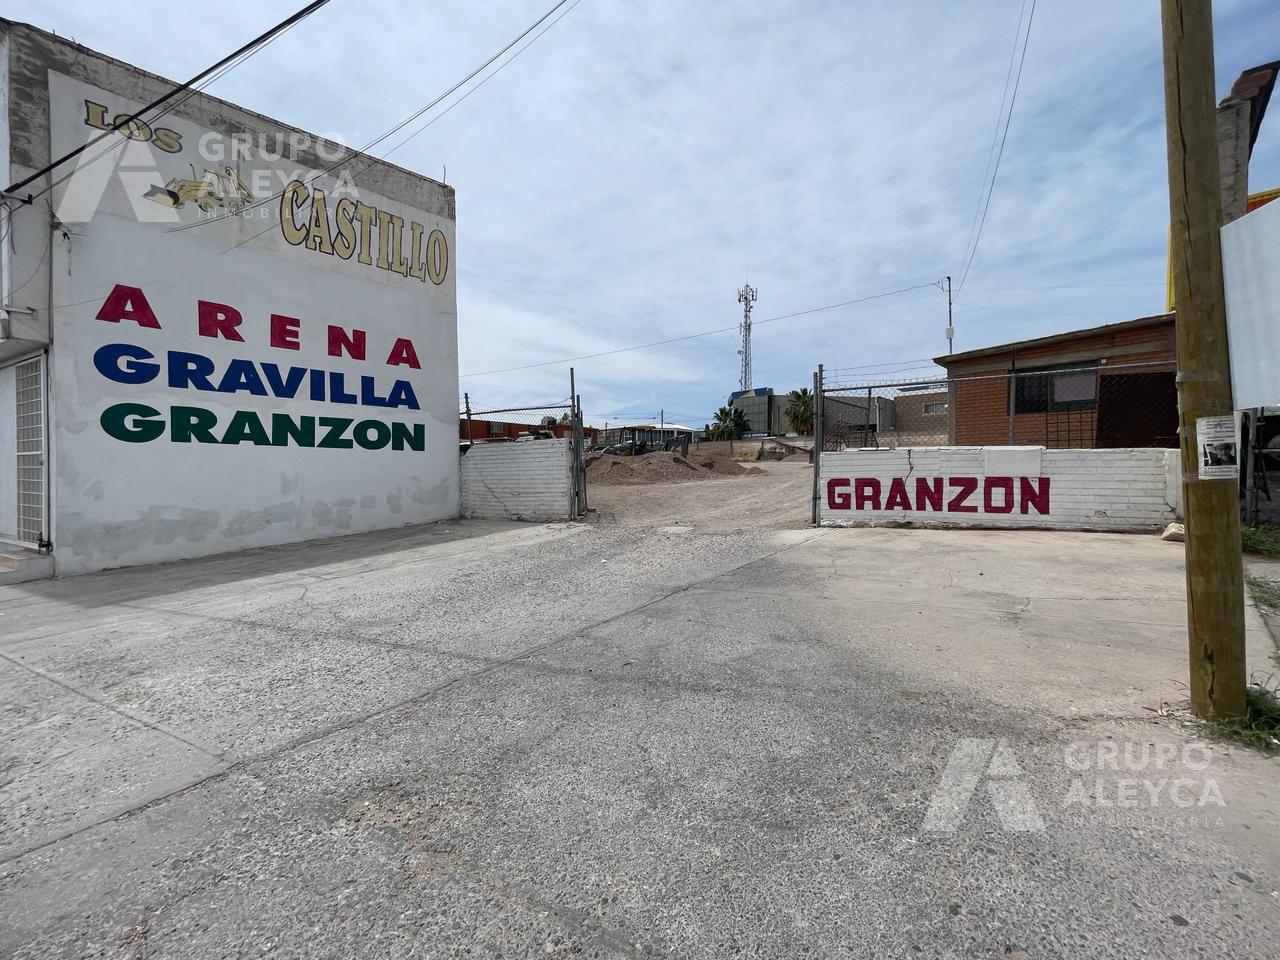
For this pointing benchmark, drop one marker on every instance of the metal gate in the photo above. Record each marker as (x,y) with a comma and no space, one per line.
(561,419)
(31,451)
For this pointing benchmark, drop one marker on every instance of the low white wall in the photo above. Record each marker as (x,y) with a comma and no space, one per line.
(517,481)
(1128,489)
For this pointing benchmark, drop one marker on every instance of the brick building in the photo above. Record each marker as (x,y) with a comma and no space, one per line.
(1108,386)
(921,411)
(506,430)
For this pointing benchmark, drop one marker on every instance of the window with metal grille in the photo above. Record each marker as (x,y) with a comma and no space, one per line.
(1067,387)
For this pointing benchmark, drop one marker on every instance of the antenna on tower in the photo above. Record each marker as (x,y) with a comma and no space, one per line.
(746,297)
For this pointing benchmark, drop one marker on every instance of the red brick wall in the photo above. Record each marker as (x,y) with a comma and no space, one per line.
(509,431)
(981,406)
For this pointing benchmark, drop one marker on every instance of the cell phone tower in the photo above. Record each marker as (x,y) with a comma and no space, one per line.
(746,297)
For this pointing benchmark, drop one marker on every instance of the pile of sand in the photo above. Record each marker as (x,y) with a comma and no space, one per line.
(608,470)
(721,465)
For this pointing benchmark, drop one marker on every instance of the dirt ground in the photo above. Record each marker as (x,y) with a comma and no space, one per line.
(776,498)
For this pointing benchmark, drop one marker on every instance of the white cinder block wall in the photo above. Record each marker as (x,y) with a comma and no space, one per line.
(517,481)
(1126,489)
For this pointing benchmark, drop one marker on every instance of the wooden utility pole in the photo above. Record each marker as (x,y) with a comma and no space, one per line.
(1215,587)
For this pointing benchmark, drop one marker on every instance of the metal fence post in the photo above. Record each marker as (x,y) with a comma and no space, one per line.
(573,450)
(818,404)
(466,398)
(580,456)
(1013,404)
(951,410)
(1251,440)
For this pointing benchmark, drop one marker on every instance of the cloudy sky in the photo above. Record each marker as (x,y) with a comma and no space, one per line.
(619,179)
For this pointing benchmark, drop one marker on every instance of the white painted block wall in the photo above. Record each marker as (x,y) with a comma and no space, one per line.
(517,481)
(1120,490)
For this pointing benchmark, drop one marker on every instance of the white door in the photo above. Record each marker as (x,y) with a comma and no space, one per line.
(29,385)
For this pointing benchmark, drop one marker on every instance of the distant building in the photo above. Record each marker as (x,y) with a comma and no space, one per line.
(643,432)
(499,430)
(921,412)
(760,407)
(1107,386)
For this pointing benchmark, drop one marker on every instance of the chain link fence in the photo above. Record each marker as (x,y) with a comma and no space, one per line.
(1070,406)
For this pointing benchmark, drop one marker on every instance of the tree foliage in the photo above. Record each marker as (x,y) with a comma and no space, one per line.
(799,410)
(729,423)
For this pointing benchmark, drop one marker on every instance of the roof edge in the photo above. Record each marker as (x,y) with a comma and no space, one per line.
(1140,322)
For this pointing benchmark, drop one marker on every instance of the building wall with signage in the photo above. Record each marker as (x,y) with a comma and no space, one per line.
(1114,490)
(250,331)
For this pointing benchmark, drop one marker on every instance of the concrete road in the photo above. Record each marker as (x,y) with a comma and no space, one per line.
(614,740)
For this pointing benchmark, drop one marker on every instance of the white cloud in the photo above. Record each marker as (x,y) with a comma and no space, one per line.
(616,181)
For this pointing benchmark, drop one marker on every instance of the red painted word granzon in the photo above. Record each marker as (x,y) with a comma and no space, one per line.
(941,494)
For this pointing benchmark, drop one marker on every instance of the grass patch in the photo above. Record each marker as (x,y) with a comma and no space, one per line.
(1261,539)
(1258,728)
(1265,593)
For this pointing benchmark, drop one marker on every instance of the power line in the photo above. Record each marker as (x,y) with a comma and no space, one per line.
(120,123)
(972,252)
(1072,286)
(363,151)
(888,363)
(705,333)
(995,134)
(170,108)
(502,66)
(1040,313)
(399,126)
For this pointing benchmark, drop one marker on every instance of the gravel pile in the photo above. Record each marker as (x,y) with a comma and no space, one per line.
(608,470)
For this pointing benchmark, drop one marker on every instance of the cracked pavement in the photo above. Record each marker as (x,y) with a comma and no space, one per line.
(497,739)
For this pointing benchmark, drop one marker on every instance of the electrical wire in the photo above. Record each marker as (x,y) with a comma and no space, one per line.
(121,123)
(995,135)
(398,126)
(972,251)
(705,333)
(1071,286)
(502,66)
(169,108)
(363,151)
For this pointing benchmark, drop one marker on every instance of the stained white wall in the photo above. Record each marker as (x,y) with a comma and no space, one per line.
(1121,490)
(517,481)
(118,502)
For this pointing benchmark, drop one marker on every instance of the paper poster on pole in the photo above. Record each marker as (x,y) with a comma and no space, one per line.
(1218,443)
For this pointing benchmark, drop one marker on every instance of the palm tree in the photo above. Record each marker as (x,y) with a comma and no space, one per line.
(799,410)
(729,423)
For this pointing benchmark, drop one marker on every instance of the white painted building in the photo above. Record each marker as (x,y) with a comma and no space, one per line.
(218,331)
